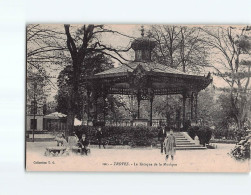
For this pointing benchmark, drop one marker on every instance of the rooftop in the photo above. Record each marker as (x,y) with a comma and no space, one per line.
(148,67)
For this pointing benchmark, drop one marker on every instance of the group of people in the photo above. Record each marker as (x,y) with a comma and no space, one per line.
(82,143)
(167,142)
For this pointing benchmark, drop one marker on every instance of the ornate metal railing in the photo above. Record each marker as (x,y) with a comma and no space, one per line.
(128,122)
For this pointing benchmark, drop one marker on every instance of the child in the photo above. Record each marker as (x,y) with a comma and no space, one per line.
(170,145)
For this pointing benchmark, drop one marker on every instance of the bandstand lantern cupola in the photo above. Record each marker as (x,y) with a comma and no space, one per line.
(143,47)
(145,79)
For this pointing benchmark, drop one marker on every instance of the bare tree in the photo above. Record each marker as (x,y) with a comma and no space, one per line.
(193,54)
(167,41)
(229,44)
(80,43)
(179,47)
(45,51)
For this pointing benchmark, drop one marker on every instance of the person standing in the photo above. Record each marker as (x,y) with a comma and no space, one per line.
(161,137)
(170,145)
(100,136)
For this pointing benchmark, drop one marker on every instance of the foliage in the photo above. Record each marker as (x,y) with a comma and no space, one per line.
(228,134)
(168,107)
(187,125)
(229,45)
(50,107)
(92,64)
(224,119)
(242,150)
(207,106)
(134,136)
(203,132)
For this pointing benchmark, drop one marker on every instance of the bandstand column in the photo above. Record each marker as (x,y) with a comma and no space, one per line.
(184,109)
(151,97)
(138,108)
(138,98)
(104,97)
(151,111)
(192,105)
(131,106)
(196,106)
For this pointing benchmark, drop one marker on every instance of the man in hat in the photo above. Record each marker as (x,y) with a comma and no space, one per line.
(161,137)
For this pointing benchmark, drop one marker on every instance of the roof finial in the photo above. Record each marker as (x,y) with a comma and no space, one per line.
(142,31)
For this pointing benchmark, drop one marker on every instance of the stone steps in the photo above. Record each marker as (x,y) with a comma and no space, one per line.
(182,146)
(191,148)
(185,142)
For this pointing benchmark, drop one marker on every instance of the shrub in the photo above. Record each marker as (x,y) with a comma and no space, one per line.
(134,136)
(203,132)
(192,131)
(187,125)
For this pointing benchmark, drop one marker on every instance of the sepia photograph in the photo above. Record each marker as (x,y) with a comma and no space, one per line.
(138,98)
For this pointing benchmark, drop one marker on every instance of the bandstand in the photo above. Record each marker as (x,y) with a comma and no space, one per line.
(145,79)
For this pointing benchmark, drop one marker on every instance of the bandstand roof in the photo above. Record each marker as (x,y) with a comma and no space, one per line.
(143,76)
(161,79)
(152,67)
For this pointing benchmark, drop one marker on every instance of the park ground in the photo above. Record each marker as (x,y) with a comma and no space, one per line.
(136,159)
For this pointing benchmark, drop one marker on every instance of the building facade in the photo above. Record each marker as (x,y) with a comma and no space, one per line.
(35,116)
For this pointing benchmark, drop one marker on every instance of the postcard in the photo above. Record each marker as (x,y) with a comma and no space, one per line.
(138,98)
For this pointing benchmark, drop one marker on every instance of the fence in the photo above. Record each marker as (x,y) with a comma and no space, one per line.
(128,122)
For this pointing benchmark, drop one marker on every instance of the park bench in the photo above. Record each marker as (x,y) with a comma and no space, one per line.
(76,150)
(72,141)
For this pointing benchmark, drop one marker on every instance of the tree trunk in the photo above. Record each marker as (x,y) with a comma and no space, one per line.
(70,124)
(83,112)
